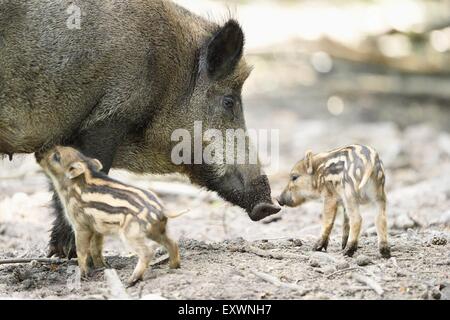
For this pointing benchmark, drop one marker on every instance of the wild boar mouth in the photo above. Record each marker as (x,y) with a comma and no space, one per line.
(250,193)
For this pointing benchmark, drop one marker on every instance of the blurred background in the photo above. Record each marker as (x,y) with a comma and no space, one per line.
(326,74)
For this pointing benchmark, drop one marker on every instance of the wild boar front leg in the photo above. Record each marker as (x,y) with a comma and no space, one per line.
(328,217)
(97,251)
(83,241)
(62,238)
(352,208)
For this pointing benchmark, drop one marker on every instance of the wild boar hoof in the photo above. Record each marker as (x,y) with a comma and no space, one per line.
(321,245)
(132,282)
(61,251)
(62,243)
(86,275)
(351,249)
(385,252)
(263,210)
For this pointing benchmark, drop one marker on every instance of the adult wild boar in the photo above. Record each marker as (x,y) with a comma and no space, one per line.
(119,85)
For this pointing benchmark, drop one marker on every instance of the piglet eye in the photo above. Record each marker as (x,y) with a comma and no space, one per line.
(294,177)
(228,102)
(56,157)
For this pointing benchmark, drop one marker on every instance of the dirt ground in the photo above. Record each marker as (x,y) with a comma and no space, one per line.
(227,256)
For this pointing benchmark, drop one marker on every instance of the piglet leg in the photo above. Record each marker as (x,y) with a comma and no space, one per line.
(328,217)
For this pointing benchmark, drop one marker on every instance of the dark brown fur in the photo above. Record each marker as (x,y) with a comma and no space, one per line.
(118,87)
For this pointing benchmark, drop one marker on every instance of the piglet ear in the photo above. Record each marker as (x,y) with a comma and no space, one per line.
(76,169)
(225,50)
(309,162)
(96,164)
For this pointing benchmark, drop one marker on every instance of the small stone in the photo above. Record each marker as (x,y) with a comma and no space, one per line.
(445,291)
(314,263)
(297,242)
(342,265)
(323,258)
(328,270)
(436,294)
(266,245)
(404,222)
(400,273)
(34,264)
(363,260)
(318,270)
(370,231)
(21,274)
(439,241)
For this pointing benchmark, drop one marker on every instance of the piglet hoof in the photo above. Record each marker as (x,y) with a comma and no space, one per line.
(101,265)
(351,249)
(321,245)
(86,275)
(132,282)
(385,252)
(174,265)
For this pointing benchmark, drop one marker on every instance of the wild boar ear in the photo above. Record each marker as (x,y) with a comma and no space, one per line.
(225,50)
(76,169)
(309,162)
(96,164)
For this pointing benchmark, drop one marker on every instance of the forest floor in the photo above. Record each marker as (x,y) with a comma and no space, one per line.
(225,254)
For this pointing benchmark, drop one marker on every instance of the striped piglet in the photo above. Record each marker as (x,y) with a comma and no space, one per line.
(96,205)
(346,177)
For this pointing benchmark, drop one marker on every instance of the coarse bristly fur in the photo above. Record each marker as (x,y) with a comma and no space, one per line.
(96,205)
(347,177)
(118,87)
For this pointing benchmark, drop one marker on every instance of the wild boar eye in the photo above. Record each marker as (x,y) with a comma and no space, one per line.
(294,177)
(228,102)
(56,157)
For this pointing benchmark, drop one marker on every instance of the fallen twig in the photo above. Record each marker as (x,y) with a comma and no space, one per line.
(343,271)
(375,286)
(28,260)
(161,259)
(324,255)
(275,281)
